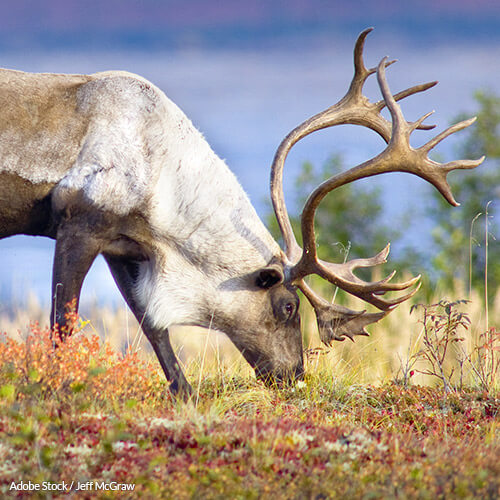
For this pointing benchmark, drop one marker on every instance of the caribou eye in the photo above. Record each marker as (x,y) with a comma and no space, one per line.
(268,277)
(285,304)
(289,310)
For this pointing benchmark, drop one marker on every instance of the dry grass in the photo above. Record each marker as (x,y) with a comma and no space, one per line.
(373,359)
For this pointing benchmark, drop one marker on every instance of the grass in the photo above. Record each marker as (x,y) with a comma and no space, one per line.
(97,413)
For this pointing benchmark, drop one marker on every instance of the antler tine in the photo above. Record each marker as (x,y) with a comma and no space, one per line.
(361,73)
(342,275)
(450,130)
(360,70)
(406,93)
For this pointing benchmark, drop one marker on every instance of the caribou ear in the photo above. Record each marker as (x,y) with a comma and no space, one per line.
(269,276)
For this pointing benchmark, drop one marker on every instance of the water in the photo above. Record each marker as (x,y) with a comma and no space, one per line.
(245,102)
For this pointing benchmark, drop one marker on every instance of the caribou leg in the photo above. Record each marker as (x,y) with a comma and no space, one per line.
(75,252)
(124,275)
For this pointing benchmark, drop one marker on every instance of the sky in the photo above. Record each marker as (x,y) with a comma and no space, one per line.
(246,73)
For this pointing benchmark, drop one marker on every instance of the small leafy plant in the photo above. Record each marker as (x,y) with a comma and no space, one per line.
(443,350)
(443,324)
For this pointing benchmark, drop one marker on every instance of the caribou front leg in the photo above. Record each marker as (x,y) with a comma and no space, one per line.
(160,340)
(124,273)
(76,250)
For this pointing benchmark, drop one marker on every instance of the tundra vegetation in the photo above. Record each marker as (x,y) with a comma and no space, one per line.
(410,412)
(394,417)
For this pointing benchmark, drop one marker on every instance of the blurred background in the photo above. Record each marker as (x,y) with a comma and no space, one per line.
(246,73)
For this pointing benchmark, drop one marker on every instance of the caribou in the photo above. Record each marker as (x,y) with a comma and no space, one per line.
(107,164)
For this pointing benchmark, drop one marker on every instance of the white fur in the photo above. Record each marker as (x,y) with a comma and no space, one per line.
(208,231)
(111,170)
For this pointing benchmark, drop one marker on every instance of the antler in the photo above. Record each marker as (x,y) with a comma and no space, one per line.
(335,322)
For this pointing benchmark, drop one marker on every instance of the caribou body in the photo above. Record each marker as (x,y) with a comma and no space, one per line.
(107,164)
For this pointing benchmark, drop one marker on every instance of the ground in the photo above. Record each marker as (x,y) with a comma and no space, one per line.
(94,423)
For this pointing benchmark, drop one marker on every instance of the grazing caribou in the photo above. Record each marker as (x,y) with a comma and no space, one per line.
(107,164)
